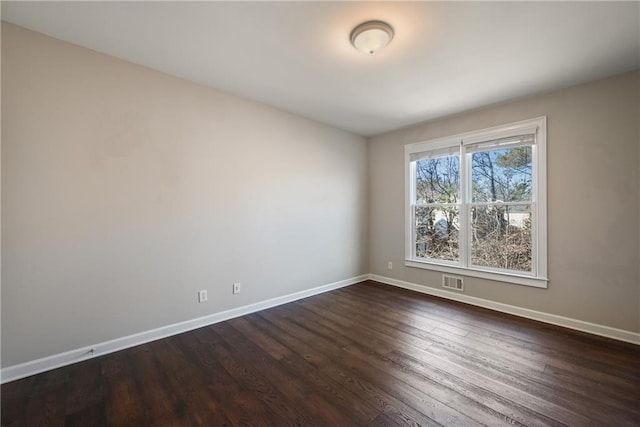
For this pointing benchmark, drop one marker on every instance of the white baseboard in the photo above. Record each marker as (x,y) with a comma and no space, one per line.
(26,369)
(579,325)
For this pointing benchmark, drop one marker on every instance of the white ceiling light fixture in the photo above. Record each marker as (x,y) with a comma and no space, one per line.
(371,36)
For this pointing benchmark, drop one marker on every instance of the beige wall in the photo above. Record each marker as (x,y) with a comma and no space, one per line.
(125,191)
(593,197)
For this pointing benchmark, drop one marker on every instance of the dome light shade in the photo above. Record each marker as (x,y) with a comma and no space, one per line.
(371,36)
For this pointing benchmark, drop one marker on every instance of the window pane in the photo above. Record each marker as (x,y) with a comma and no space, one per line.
(438,180)
(503,175)
(501,237)
(437,233)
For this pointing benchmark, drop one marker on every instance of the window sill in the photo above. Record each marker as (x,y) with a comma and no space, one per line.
(536,282)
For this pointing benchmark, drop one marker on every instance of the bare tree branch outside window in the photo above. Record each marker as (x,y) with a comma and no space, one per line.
(500,209)
(501,229)
(438,182)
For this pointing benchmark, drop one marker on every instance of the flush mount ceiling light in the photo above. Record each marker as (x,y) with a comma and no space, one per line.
(371,36)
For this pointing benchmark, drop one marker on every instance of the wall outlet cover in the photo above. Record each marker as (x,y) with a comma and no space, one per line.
(202,296)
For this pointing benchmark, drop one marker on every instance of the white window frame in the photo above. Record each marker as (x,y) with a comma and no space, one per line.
(538,276)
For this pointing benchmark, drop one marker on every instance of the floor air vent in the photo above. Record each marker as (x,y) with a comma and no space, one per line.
(452,282)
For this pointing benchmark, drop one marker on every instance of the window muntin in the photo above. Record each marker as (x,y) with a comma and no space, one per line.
(476,202)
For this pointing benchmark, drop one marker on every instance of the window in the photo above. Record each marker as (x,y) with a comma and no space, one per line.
(476,203)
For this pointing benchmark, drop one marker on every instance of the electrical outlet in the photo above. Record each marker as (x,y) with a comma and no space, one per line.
(236,288)
(202,296)
(390,265)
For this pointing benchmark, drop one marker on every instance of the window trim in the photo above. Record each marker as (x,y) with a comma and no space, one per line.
(538,278)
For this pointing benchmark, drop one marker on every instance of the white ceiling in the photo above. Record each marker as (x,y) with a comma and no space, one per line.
(446,57)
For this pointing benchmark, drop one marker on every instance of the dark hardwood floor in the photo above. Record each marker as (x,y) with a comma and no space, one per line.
(366,355)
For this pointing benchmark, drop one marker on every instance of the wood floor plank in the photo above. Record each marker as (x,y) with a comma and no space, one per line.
(302,396)
(484,394)
(384,323)
(94,416)
(240,405)
(85,388)
(408,393)
(281,408)
(365,355)
(604,367)
(197,404)
(481,394)
(384,420)
(359,411)
(331,361)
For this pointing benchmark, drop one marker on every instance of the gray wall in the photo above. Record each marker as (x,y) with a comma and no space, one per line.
(125,191)
(593,197)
